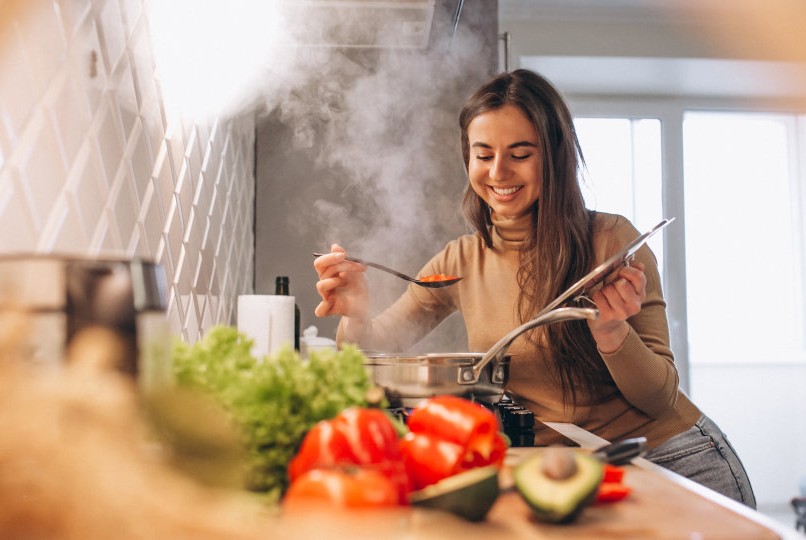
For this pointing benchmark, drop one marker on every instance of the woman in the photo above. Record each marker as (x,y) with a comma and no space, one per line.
(614,376)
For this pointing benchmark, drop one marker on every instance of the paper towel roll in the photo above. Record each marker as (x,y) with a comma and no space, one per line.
(268,319)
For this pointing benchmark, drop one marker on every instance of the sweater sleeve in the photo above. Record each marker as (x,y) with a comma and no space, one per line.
(643,367)
(413,315)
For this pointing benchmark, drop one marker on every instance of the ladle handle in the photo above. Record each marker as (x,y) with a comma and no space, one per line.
(374,265)
(471,374)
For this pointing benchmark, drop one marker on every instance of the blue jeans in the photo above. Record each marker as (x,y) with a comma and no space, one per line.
(704,455)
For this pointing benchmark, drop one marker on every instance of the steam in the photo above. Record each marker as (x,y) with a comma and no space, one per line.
(372,132)
(382,129)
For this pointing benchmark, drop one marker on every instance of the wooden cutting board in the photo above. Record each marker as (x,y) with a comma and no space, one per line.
(657,507)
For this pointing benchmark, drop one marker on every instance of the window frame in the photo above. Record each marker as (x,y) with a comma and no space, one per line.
(671,111)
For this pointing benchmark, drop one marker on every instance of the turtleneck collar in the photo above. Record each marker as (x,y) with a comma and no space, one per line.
(510,232)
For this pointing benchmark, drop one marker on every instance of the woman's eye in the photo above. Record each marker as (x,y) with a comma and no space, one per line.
(521,157)
(484,158)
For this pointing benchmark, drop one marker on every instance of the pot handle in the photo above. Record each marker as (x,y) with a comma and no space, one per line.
(471,374)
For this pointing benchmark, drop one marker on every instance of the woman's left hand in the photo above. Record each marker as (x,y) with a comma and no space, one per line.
(617,301)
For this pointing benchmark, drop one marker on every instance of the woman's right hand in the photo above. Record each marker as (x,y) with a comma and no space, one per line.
(342,285)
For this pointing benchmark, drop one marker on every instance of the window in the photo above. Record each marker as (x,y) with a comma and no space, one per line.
(743,200)
(744,248)
(624,175)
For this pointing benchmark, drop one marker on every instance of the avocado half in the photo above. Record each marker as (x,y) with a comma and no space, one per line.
(469,494)
(556,500)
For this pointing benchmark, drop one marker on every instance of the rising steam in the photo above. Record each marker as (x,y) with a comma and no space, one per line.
(367,150)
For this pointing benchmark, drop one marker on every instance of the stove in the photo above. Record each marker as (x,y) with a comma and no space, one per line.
(515,421)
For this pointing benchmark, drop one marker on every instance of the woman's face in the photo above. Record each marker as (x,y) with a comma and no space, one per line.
(504,164)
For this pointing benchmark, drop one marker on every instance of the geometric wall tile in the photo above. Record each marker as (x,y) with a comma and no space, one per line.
(88,184)
(91,161)
(70,115)
(108,137)
(15,214)
(39,164)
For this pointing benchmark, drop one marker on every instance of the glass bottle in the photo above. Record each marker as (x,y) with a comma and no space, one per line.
(281,287)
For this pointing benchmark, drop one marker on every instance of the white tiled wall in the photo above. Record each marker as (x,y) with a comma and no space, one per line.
(92,163)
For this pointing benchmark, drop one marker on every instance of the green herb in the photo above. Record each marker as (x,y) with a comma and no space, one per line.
(274,401)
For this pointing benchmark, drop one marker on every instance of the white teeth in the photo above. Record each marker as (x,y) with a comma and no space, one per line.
(506,191)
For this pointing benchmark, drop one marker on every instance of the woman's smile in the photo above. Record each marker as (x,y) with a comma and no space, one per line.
(505,193)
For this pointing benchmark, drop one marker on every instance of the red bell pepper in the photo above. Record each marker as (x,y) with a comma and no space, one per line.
(450,434)
(612,488)
(356,436)
(429,458)
(352,487)
(612,473)
(325,445)
(612,492)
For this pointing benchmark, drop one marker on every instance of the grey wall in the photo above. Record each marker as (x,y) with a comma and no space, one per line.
(364,151)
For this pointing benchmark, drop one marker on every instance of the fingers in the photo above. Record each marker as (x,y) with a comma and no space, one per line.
(326,285)
(334,263)
(327,261)
(341,284)
(327,268)
(635,276)
(323,309)
(622,298)
(617,301)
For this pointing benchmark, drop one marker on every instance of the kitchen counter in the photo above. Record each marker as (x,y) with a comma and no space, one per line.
(662,505)
(111,482)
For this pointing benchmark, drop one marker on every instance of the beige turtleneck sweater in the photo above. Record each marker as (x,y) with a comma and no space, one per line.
(644,400)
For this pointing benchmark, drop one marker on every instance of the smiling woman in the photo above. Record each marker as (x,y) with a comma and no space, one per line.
(614,376)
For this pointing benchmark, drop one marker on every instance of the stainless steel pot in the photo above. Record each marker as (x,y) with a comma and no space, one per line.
(483,376)
(408,379)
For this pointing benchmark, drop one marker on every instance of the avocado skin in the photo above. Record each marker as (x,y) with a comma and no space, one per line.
(471,501)
(563,519)
(534,487)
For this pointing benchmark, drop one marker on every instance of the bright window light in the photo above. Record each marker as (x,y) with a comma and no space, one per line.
(624,174)
(743,250)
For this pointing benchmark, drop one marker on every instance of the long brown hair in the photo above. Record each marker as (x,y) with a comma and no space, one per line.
(558,249)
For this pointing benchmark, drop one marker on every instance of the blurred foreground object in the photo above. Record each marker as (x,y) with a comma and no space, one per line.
(61,297)
(754,30)
(80,462)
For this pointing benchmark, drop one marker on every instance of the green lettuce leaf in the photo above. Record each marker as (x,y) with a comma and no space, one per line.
(275,400)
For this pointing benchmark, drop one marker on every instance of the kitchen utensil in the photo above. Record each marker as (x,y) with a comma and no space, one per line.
(433,282)
(62,298)
(621,452)
(408,379)
(600,274)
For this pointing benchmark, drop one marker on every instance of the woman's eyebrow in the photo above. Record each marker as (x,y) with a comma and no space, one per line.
(513,145)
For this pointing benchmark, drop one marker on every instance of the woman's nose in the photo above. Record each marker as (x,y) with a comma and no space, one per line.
(499,169)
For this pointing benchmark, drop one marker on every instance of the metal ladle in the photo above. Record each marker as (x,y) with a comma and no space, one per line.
(432,282)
